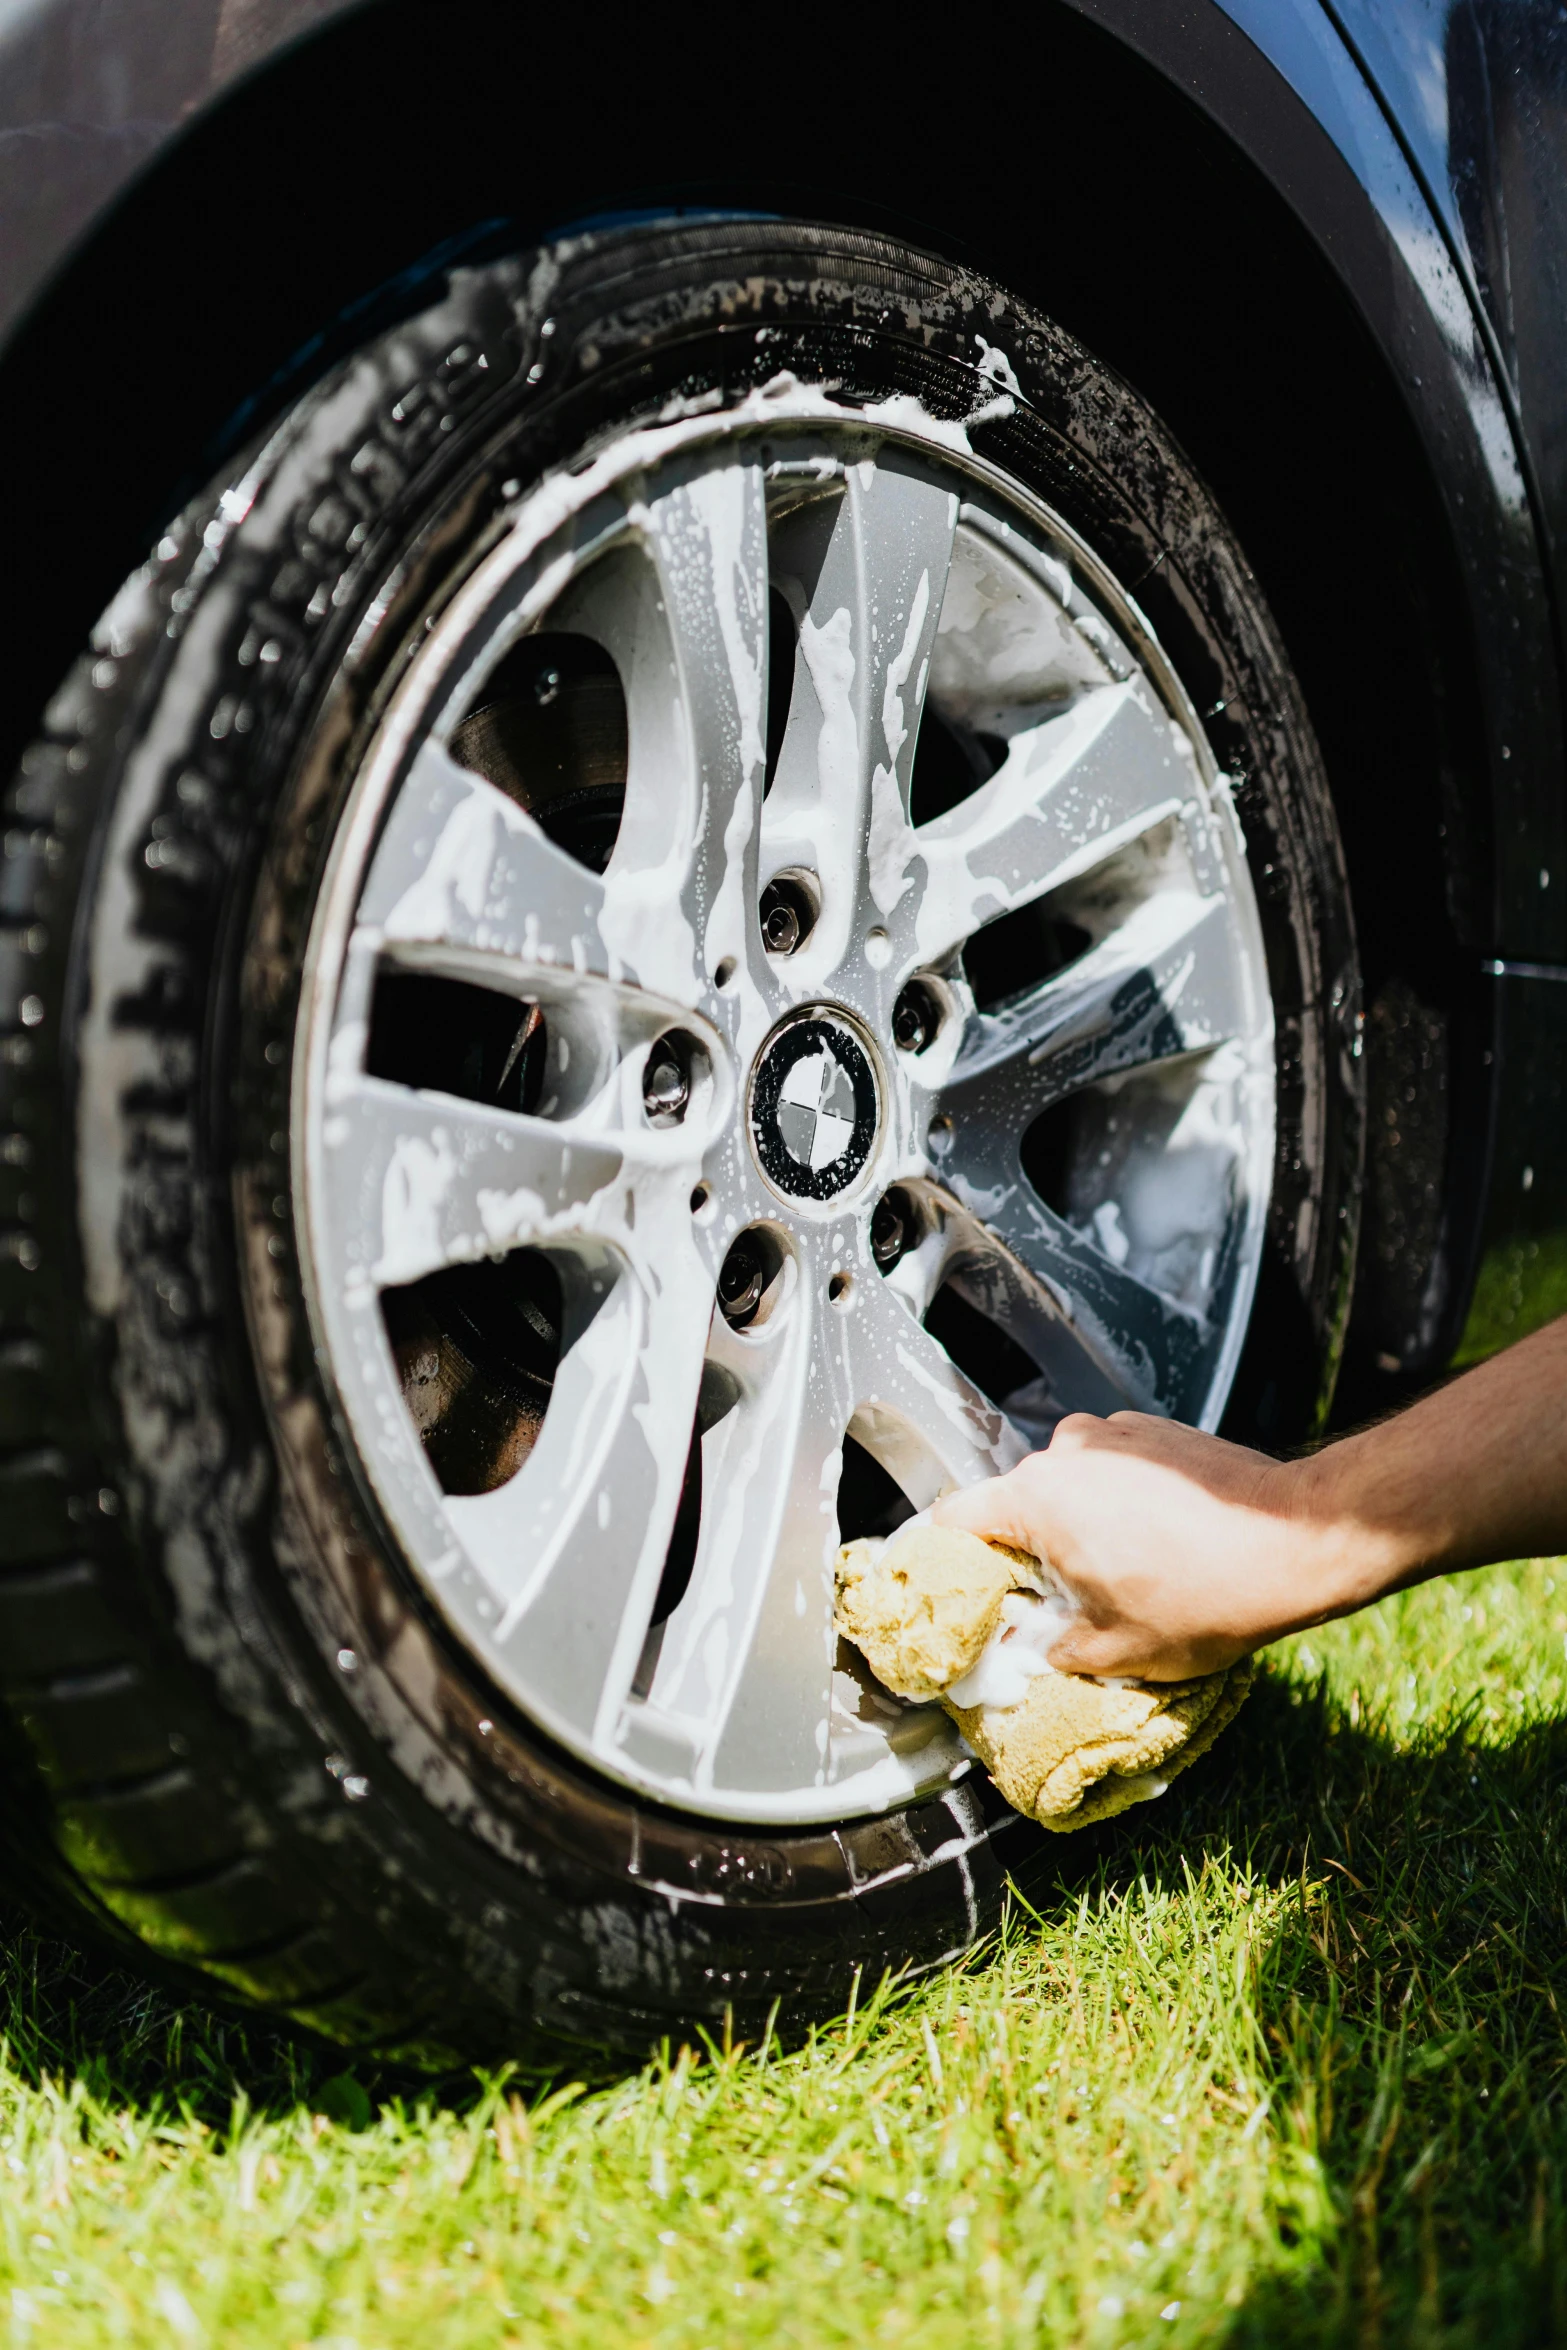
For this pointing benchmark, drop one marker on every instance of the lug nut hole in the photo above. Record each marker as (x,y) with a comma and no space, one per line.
(841,1288)
(788,912)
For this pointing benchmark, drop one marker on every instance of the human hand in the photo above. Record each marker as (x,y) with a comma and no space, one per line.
(1181,1550)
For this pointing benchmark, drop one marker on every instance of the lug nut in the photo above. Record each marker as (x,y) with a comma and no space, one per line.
(893,1226)
(666,1083)
(788,914)
(780,928)
(741,1280)
(916,1016)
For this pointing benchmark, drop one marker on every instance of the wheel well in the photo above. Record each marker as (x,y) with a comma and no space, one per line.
(322,195)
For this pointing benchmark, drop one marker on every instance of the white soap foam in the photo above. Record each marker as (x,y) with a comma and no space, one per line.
(1029,1625)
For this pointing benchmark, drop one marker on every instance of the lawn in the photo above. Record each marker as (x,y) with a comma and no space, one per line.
(1277,2060)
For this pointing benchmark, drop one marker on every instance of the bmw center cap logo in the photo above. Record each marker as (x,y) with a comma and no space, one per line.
(813,1108)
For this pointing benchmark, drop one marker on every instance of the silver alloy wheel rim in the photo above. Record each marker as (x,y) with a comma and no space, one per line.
(911,567)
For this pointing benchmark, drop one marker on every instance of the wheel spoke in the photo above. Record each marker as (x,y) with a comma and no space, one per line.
(747,1662)
(710,538)
(459,867)
(1161,985)
(1002,1287)
(1146,1345)
(573,1546)
(872,597)
(684,615)
(1071,790)
(921,1417)
(748,1659)
(414,1181)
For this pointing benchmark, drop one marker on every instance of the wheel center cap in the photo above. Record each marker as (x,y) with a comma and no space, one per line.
(813,1107)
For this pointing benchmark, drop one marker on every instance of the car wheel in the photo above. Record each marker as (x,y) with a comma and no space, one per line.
(691,901)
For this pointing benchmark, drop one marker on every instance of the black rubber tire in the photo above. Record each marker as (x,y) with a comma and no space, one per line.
(185,1544)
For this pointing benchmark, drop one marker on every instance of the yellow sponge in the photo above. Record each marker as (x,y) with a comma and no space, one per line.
(938,1613)
(921,1607)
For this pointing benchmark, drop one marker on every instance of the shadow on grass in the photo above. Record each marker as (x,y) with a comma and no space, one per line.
(1412,2007)
(70,2015)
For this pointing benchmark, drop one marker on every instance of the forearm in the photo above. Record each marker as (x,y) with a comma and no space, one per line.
(1475,1472)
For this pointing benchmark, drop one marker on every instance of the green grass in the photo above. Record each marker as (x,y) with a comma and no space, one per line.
(1278,2060)
(1521,1285)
